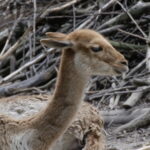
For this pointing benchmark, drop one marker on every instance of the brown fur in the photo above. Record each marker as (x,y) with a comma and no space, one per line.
(88,121)
(87,129)
(77,64)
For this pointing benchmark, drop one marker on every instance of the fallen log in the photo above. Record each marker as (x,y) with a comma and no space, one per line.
(37,80)
(118,117)
(140,121)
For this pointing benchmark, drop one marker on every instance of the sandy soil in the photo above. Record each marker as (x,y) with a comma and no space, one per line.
(128,140)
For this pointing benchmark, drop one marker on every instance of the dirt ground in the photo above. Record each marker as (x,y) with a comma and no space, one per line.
(128,140)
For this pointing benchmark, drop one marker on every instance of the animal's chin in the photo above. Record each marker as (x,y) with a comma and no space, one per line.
(120,71)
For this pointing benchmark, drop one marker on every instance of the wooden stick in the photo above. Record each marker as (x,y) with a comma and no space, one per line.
(132,100)
(25,66)
(135,10)
(59,8)
(133,20)
(13,48)
(10,35)
(140,121)
(106,6)
(148,52)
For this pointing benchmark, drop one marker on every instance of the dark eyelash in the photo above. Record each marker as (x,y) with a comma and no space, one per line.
(96,49)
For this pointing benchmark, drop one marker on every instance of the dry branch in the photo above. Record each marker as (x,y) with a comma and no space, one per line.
(136,11)
(141,121)
(59,8)
(10,35)
(128,46)
(148,52)
(88,23)
(133,99)
(4,34)
(25,66)
(122,116)
(31,82)
(13,48)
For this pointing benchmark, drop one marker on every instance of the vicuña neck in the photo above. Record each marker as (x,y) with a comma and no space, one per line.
(66,100)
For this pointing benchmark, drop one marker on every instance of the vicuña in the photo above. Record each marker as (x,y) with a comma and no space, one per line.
(84,53)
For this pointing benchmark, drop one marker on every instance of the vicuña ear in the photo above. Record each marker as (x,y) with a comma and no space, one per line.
(56,43)
(56,35)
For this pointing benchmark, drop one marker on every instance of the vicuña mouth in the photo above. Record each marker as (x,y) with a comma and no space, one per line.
(121,70)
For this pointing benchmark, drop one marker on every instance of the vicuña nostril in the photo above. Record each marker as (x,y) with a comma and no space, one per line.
(124,62)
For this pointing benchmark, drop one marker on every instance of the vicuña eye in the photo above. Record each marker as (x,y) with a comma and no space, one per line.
(96,48)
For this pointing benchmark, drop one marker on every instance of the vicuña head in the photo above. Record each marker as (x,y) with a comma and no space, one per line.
(85,53)
(93,54)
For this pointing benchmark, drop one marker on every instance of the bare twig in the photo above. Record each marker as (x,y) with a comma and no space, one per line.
(133,70)
(148,52)
(136,24)
(128,46)
(14,47)
(34,26)
(120,90)
(138,122)
(135,11)
(133,99)
(134,35)
(74,17)
(56,9)
(25,66)
(106,6)
(10,35)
